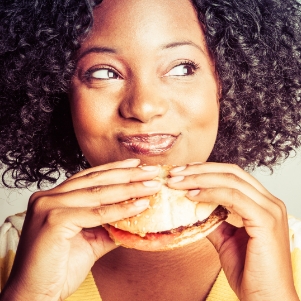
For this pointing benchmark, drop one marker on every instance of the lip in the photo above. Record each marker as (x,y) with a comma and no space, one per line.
(148,144)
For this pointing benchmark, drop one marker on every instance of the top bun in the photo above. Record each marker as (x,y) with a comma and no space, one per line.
(168,209)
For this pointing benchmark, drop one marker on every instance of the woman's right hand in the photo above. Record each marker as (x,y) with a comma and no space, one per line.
(62,235)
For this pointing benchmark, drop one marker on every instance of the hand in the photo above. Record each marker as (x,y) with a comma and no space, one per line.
(62,235)
(255,258)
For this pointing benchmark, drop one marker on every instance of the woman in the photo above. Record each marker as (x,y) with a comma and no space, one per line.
(149,82)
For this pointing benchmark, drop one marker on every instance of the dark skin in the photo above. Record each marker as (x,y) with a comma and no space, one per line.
(144,111)
(149,75)
(151,276)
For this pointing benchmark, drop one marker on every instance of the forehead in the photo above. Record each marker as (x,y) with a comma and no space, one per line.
(131,10)
(150,22)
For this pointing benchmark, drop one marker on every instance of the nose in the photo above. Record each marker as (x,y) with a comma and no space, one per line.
(143,102)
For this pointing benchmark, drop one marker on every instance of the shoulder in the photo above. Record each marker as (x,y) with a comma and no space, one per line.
(10,232)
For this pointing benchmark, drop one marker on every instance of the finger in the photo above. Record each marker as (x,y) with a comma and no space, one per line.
(211,167)
(99,240)
(106,177)
(90,171)
(229,182)
(68,222)
(94,196)
(222,238)
(254,216)
(223,233)
(118,164)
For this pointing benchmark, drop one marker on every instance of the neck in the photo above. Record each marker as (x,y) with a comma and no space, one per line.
(132,259)
(195,266)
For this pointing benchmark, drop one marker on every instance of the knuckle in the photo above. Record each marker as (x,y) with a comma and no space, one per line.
(232,177)
(132,173)
(124,206)
(93,174)
(275,214)
(96,189)
(34,197)
(235,195)
(279,209)
(131,190)
(53,217)
(194,177)
(271,221)
(209,192)
(281,205)
(100,213)
(38,204)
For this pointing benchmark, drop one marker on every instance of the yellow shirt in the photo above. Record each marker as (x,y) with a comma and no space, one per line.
(9,237)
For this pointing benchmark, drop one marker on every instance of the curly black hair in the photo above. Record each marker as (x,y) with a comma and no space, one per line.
(255,45)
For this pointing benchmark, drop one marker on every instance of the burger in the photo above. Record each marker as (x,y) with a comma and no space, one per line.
(171,220)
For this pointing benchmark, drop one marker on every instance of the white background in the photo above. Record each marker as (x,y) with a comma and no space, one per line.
(285,183)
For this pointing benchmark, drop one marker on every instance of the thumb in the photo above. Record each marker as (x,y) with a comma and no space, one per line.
(229,241)
(221,235)
(100,241)
(231,244)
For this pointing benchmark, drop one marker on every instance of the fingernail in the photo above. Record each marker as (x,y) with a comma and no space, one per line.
(193,192)
(149,168)
(151,183)
(175,179)
(141,203)
(179,168)
(133,160)
(195,163)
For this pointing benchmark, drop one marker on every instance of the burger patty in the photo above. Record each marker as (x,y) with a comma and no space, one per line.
(219,214)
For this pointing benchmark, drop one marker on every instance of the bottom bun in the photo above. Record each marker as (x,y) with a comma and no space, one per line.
(168,240)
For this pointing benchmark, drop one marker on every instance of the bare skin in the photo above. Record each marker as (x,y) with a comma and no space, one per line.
(145,88)
(153,275)
(146,97)
(255,257)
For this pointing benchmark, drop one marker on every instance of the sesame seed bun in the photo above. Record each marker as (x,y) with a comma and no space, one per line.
(171,221)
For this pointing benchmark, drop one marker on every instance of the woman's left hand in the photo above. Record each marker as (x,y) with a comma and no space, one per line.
(256,257)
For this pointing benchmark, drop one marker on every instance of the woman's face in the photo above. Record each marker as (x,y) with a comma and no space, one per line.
(145,86)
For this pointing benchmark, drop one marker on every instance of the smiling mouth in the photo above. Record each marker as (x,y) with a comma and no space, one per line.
(154,144)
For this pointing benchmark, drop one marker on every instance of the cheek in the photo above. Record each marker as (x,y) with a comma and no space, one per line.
(90,113)
(203,120)
(200,106)
(201,110)
(92,119)
(208,113)
(202,130)
(209,106)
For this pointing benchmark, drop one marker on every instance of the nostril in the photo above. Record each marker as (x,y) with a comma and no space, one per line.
(143,110)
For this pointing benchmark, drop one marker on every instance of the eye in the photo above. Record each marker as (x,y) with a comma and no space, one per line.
(102,74)
(183,69)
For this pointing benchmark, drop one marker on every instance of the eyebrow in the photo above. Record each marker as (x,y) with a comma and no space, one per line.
(98,49)
(183,43)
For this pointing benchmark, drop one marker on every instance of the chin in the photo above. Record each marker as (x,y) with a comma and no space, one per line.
(171,221)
